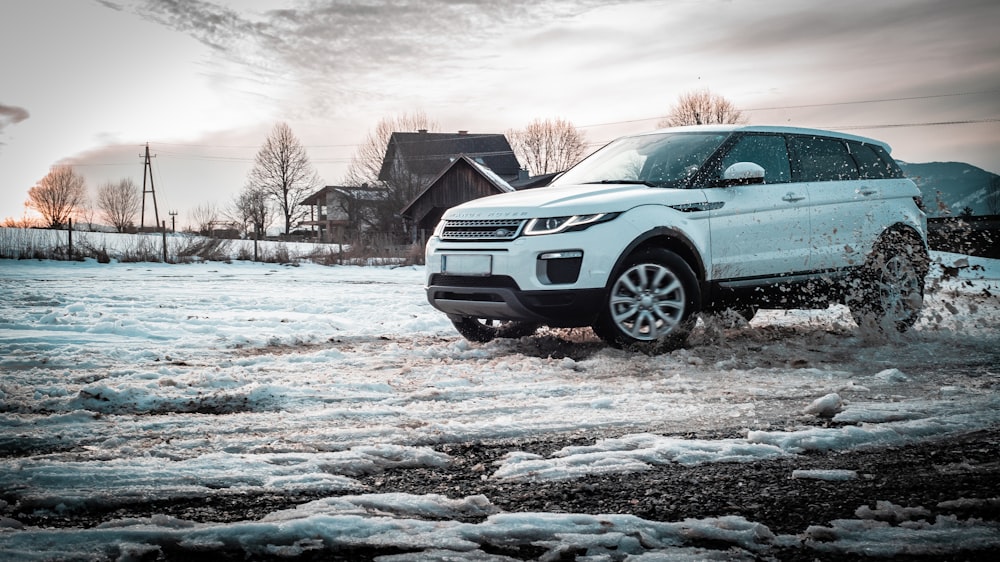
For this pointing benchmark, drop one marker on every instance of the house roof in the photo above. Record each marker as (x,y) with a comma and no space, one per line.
(426,154)
(498,182)
(364,192)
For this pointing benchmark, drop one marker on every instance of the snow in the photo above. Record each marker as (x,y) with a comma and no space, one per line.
(155,382)
(826,406)
(892,530)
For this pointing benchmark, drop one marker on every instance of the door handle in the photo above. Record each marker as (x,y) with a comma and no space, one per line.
(792,197)
(867,191)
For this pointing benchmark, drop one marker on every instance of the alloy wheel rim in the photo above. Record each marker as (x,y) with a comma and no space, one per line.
(647,302)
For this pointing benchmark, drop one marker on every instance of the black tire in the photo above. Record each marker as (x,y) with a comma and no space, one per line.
(889,292)
(482,330)
(651,304)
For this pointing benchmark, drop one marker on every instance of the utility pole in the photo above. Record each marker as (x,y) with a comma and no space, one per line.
(147,171)
(173,221)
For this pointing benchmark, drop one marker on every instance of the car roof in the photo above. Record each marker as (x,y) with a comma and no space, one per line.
(772,129)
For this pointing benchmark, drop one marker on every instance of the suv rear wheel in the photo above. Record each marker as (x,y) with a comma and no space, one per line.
(651,304)
(891,285)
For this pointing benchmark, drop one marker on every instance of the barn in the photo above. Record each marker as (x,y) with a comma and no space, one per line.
(464,179)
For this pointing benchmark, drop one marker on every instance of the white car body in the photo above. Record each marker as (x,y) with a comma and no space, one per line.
(748,240)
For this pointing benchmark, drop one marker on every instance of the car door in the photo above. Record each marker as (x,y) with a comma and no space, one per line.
(838,201)
(759,230)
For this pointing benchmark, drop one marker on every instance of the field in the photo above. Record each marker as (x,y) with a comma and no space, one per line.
(251,411)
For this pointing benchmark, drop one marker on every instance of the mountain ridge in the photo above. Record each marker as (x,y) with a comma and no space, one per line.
(948,188)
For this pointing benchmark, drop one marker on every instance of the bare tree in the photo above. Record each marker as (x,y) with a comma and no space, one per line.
(366,164)
(58,195)
(203,217)
(547,146)
(283,171)
(363,208)
(24,222)
(252,210)
(702,107)
(119,203)
(85,215)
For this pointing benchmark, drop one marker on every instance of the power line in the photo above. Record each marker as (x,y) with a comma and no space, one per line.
(925,124)
(242,159)
(828,104)
(450,138)
(246,146)
(866,127)
(453,137)
(620,122)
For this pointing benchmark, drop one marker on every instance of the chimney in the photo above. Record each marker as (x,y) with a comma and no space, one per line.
(421,130)
(463,132)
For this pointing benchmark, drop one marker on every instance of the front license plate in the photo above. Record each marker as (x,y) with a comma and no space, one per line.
(458,264)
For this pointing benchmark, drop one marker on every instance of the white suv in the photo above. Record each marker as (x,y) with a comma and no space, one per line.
(652,229)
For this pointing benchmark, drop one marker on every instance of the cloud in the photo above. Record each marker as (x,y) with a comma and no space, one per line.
(11,115)
(330,52)
(844,39)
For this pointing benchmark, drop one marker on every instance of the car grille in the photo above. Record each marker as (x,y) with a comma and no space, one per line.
(480,230)
(467,281)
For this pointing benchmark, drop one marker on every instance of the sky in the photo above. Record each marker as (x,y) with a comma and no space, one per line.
(139,386)
(90,83)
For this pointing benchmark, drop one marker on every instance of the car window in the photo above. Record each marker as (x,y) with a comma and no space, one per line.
(870,166)
(678,157)
(767,151)
(822,159)
(664,160)
(892,169)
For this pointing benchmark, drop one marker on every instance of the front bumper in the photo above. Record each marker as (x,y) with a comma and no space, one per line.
(558,279)
(499,298)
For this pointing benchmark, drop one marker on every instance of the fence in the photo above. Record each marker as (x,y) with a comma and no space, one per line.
(20,243)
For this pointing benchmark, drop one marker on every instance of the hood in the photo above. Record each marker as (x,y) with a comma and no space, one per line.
(571,200)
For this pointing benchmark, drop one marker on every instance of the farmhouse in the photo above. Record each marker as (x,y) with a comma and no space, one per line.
(336,211)
(425,173)
(421,156)
(464,179)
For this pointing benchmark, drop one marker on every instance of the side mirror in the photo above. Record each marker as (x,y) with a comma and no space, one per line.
(743,173)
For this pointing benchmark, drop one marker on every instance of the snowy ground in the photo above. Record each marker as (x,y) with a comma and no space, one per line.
(128,383)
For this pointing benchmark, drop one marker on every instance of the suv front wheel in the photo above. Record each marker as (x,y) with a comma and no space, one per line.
(651,304)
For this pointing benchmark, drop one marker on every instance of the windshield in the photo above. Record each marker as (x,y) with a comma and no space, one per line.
(659,160)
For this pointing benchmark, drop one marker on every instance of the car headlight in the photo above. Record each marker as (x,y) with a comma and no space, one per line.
(554,225)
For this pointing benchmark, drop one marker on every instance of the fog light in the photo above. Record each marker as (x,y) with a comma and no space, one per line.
(570,254)
(559,268)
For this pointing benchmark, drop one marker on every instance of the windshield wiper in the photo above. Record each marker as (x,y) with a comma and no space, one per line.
(637,182)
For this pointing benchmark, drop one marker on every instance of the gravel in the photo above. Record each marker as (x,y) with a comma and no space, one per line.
(928,475)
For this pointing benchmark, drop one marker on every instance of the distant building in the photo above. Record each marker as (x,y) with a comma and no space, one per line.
(426,172)
(451,169)
(423,155)
(335,210)
(464,179)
